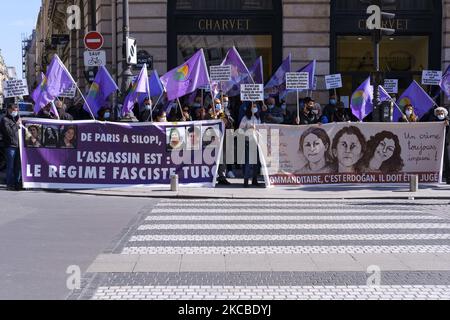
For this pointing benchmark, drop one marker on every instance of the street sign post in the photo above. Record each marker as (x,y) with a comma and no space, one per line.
(143,57)
(93,41)
(131,51)
(94,58)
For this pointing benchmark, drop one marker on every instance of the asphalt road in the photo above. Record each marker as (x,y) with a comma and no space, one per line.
(42,234)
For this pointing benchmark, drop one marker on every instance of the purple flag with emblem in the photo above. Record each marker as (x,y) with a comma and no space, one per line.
(141,85)
(102,87)
(416,96)
(186,78)
(361,101)
(445,82)
(277,84)
(53,84)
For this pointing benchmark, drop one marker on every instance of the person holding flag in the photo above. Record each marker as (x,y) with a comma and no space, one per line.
(414,95)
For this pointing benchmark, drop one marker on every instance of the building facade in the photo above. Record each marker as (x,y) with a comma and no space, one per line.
(332,32)
(3,77)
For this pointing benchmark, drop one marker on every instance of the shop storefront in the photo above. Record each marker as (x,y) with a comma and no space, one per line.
(254,27)
(415,46)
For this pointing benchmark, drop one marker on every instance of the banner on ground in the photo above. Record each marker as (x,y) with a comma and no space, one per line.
(351,153)
(89,155)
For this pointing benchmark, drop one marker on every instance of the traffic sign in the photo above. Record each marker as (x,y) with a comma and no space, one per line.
(93,41)
(131,51)
(94,58)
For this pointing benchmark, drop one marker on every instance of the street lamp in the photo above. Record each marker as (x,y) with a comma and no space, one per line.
(375,24)
(127,75)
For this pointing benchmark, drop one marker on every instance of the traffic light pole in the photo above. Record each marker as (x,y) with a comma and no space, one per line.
(375,78)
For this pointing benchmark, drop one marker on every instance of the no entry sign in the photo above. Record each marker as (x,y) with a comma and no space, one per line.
(93,40)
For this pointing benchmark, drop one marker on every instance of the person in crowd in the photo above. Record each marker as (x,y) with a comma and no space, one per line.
(331,107)
(383,154)
(33,139)
(186,114)
(243,110)
(46,113)
(174,115)
(105,114)
(61,108)
(196,104)
(315,146)
(271,113)
(336,114)
(410,115)
(248,127)
(69,138)
(175,140)
(161,116)
(307,116)
(348,148)
(146,110)
(211,113)
(9,127)
(200,114)
(441,114)
(286,114)
(78,113)
(225,115)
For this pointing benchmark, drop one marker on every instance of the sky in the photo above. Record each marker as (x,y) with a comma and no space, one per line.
(18,16)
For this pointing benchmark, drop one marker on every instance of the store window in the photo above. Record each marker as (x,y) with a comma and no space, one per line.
(217,25)
(415,46)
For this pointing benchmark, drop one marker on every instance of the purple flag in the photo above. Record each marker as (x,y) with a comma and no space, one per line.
(416,96)
(311,69)
(362,99)
(141,85)
(277,84)
(186,78)
(102,87)
(256,72)
(445,82)
(239,73)
(361,102)
(37,92)
(53,84)
(156,87)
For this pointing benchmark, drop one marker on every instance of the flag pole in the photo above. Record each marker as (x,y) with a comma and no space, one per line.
(149,94)
(154,107)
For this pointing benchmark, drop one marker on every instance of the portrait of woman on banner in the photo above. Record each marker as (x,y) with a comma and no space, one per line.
(315,146)
(349,146)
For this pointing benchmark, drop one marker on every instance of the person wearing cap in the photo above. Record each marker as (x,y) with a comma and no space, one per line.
(9,127)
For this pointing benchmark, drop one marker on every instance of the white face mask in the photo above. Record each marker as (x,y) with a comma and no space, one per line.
(441,117)
(408,113)
(255,110)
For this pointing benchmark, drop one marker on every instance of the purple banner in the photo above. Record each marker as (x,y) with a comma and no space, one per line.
(89,155)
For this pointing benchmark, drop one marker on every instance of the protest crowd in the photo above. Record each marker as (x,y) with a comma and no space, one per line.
(200,104)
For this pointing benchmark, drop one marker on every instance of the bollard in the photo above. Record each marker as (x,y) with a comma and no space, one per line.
(414,183)
(174,183)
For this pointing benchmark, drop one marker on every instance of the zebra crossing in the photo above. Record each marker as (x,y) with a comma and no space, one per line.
(288,227)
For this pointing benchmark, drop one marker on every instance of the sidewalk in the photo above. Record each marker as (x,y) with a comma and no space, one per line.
(236,191)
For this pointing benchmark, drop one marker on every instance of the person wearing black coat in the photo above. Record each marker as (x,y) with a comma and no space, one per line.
(9,126)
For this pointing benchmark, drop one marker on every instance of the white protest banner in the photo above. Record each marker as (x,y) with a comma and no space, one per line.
(252,92)
(297,80)
(220,73)
(69,93)
(333,81)
(417,149)
(391,86)
(15,88)
(431,77)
